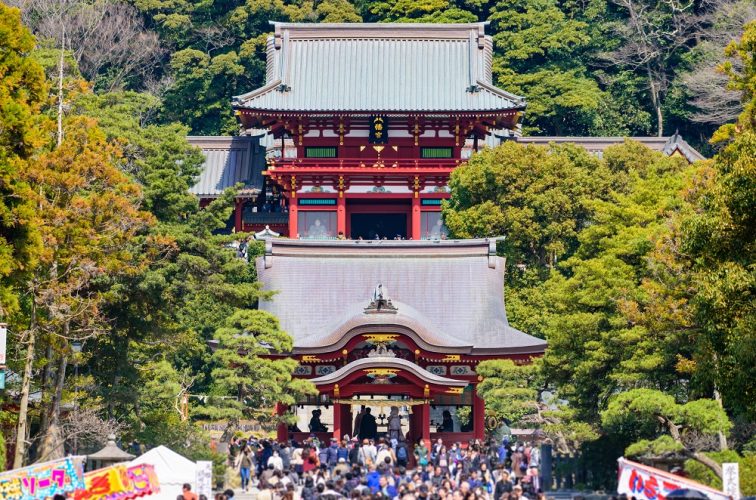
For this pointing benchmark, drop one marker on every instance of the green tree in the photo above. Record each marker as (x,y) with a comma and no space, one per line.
(538,48)
(157,155)
(594,349)
(535,196)
(704,280)
(429,11)
(519,395)
(672,427)
(22,93)
(252,372)
(88,212)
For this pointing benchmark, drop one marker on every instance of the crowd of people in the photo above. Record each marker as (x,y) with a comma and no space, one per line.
(387,467)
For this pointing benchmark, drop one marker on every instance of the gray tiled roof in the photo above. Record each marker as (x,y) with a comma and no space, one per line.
(449,293)
(379,67)
(229,161)
(597,145)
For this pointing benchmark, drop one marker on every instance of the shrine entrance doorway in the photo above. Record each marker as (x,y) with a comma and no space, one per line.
(372,226)
(430,406)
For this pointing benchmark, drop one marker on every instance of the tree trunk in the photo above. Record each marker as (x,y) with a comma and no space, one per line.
(655,101)
(23,410)
(52,444)
(674,431)
(60,89)
(708,462)
(44,391)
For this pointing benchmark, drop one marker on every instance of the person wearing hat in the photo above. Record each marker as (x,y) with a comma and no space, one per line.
(333,453)
(517,493)
(341,467)
(354,452)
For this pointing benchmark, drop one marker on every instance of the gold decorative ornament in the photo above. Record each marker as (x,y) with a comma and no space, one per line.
(451,357)
(381,372)
(381,403)
(455,390)
(380,338)
(309,358)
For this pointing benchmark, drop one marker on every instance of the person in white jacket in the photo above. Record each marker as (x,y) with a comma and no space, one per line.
(276,461)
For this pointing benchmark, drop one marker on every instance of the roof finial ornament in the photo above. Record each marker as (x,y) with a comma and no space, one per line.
(381,302)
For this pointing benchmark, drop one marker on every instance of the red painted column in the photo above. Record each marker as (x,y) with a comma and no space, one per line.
(293,230)
(426,424)
(479,416)
(337,421)
(238,215)
(415,229)
(341,214)
(282,432)
(346,421)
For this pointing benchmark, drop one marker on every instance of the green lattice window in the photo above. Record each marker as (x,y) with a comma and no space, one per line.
(320,152)
(435,152)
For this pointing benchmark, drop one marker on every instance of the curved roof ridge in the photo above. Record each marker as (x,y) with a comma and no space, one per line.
(406,316)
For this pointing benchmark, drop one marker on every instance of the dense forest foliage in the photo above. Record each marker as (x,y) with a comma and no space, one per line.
(637,268)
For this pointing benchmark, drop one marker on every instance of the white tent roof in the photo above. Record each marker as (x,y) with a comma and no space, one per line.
(172,470)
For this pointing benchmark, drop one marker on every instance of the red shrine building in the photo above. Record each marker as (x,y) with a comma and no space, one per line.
(412,343)
(370,120)
(347,149)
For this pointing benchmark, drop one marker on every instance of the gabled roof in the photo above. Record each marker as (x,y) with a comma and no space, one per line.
(668,145)
(448,292)
(229,161)
(379,68)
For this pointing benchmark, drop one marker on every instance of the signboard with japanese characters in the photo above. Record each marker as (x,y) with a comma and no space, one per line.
(731,479)
(205,478)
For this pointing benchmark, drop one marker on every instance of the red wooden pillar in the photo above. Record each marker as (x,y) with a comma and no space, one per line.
(337,421)
(341,214)
(415,230)
(282,432)
(426,424)
(293,230)
(479,416)
(346,420)
(238,205)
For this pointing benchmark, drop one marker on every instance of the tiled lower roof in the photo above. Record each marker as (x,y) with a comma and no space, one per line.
(229,161)
(597,145)
(447,292)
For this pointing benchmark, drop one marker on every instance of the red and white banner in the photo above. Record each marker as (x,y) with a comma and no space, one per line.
(648,483)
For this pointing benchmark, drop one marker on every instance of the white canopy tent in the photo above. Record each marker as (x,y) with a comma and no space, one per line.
(172,470)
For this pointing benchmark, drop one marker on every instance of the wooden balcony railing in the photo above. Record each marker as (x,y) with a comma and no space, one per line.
(350,163)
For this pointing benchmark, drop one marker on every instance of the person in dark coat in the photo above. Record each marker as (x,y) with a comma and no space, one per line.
(368,426)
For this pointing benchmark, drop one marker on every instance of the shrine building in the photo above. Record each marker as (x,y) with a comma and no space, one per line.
(347,150)
(416,349)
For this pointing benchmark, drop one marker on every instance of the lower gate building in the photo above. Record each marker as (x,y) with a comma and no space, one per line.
(385,324)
